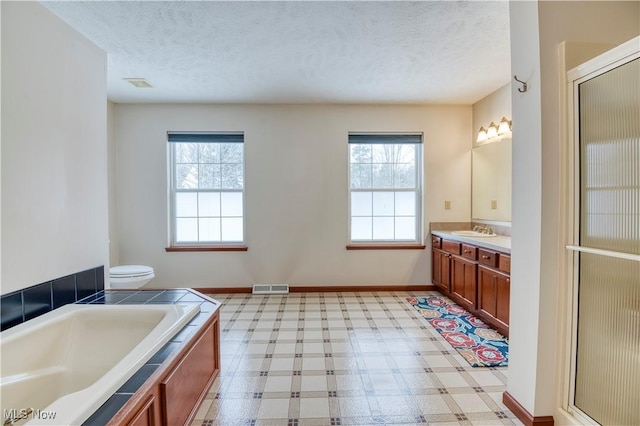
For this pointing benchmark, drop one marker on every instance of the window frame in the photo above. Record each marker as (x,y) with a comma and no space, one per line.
(200,137)
(395,138)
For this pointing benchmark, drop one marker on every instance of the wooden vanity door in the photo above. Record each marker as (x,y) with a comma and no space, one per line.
(441,270)
(493,294)
(463,282)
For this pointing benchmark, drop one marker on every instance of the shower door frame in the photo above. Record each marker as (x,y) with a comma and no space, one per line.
(593,68)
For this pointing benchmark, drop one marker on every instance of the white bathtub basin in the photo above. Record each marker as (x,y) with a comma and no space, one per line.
(69,361)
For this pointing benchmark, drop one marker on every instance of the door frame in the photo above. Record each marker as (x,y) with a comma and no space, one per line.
(607,61)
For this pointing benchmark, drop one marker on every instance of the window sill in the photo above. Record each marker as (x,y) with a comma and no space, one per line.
(206,248)
(386,246)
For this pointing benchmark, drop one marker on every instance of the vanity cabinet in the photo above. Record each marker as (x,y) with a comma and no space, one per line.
(474,277)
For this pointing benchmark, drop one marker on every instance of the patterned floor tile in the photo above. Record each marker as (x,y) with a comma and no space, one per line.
(343,359)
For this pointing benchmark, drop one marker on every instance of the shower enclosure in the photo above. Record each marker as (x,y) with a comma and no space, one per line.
(604,244)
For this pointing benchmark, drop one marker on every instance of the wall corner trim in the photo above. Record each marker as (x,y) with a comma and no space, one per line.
(521,413)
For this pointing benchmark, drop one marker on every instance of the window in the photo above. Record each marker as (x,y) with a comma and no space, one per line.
(207,188)
(385,181)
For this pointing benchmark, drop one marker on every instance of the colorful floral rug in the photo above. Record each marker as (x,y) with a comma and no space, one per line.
(478,343)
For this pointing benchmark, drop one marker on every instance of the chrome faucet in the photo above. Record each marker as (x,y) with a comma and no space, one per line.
(17,415)
(484,229)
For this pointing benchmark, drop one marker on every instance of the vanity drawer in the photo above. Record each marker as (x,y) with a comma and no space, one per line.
(470,252)
(436,242)
(504,263)
(451,246)
(489,258)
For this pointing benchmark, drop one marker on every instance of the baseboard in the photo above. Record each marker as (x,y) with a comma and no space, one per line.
(522,414)
(223,290)
(322,289)
(357,288)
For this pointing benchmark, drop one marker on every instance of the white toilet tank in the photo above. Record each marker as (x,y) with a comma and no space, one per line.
(130,276)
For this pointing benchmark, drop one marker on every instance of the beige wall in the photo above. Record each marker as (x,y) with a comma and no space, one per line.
(114,238)
(491,108)
(526,221)
(491,162)
(537,31)
(54,179)
(296,191)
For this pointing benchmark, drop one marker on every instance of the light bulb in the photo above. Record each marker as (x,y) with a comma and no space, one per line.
(492,131)
(482,135)
(504,128)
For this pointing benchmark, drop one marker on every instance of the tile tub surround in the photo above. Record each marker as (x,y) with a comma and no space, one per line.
(343,359)
(208,308)
(70,360)
(23,305)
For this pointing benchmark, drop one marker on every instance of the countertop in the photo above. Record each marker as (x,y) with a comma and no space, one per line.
(499,242)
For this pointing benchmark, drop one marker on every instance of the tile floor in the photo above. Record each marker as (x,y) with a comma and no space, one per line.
(343,359)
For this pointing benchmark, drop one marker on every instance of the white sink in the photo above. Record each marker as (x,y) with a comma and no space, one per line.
(472,234)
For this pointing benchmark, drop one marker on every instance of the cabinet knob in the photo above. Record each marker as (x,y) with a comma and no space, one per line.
(467,251)
(484,256)
(508,279)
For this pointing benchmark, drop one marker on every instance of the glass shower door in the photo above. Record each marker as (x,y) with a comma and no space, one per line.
(607,251)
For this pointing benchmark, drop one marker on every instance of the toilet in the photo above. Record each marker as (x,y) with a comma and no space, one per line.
(130,276)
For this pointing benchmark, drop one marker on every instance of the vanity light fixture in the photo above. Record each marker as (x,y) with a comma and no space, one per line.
(494,132)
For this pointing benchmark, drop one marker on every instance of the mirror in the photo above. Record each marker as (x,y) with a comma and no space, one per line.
(491,181)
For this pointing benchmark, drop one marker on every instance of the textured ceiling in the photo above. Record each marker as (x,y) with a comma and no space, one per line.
(453,52)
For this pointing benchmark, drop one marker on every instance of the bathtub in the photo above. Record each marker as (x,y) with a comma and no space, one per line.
(65,364)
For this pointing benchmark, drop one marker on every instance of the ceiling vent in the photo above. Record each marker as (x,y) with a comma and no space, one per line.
(140,83)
